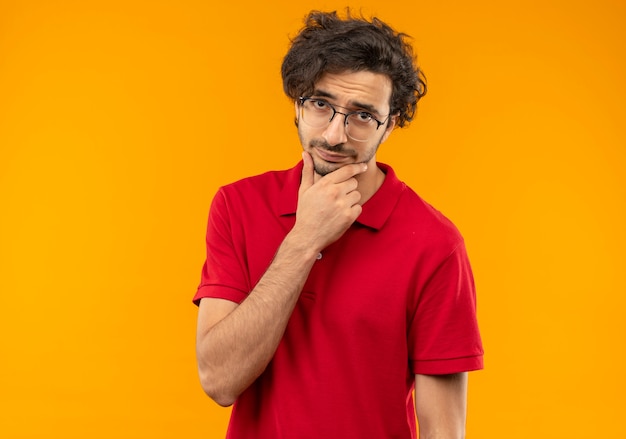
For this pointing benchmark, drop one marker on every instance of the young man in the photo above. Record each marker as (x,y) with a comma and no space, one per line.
(331,290)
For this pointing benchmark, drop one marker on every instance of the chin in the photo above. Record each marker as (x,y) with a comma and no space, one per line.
(325,168)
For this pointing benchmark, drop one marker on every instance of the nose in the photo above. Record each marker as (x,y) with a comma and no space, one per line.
(335,132)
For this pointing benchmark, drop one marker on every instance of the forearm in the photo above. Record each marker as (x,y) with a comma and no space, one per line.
(441,405)
(236,350)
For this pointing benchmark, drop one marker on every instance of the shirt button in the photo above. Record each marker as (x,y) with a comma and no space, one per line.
(319,256)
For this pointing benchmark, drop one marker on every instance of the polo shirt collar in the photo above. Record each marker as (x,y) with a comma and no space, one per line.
(376,210)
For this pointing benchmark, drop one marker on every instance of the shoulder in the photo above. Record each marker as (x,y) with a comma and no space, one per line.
(426,214)
(274,191)
(268,185)
(420,219)
(273,180)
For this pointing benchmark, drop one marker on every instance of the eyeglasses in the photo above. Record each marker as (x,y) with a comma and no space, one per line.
(360,125)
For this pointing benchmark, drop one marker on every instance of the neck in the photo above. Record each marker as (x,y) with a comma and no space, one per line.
(369,182)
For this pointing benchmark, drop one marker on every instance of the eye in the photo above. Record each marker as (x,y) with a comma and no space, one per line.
(363,117)
(318,104)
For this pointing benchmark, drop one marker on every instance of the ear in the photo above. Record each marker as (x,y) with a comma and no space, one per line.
(391,124)
(295,120)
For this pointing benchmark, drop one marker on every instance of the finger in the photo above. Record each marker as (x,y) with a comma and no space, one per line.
(348,185)
(308,172)
(353,198)
(346,172)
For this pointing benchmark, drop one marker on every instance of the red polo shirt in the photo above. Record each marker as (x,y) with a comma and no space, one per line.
(394,296)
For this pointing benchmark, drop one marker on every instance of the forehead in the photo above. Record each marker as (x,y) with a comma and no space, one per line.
(350,88)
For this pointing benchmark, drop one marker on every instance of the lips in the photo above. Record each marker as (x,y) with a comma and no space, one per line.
(329,156)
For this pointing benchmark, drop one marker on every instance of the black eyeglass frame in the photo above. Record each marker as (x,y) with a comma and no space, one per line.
(303,99)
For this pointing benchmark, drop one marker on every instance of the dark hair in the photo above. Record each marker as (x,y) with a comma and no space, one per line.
(330,44)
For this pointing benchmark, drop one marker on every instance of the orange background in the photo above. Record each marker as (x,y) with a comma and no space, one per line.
(120,119)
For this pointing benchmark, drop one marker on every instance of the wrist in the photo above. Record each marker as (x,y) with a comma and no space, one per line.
(300,246)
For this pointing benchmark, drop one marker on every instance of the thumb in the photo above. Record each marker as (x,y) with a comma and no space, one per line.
(308,172)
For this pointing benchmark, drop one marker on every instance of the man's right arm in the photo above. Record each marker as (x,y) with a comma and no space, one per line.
(234,343)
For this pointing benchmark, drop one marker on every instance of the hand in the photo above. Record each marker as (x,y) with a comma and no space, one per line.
(327,206)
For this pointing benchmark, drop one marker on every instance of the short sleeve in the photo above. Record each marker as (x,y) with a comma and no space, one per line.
(223,275)
(443,336)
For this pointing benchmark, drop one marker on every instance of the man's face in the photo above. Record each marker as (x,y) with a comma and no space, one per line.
(330,146)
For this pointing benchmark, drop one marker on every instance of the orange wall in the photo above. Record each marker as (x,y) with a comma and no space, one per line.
(119,120)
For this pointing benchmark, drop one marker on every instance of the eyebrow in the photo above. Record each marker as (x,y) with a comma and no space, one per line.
(367,107)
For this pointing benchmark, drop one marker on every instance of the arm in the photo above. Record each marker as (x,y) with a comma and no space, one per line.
(234,343)
(441,405)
